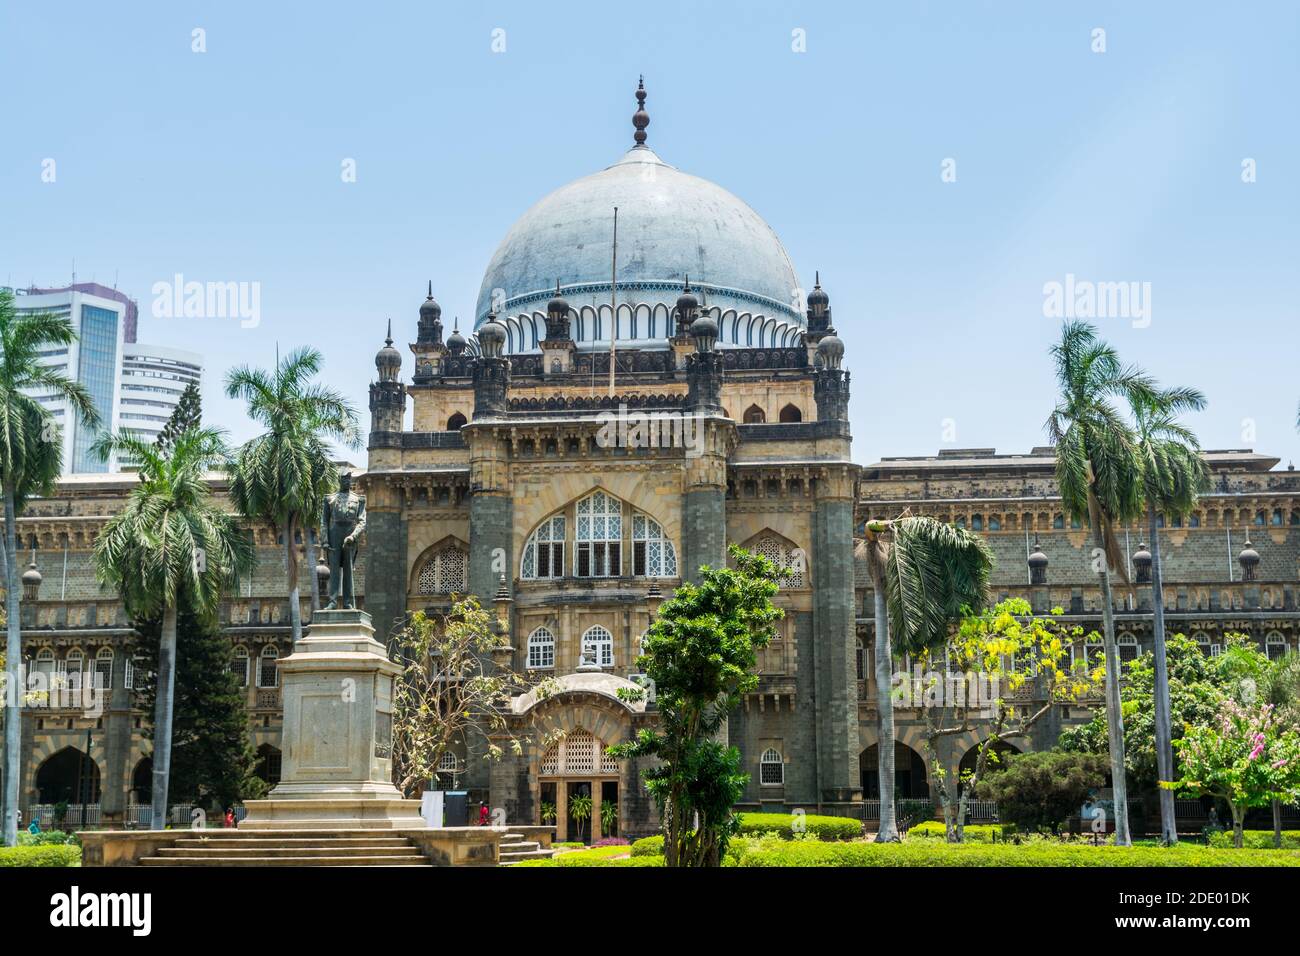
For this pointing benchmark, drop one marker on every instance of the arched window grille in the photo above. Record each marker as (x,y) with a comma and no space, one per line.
(771,768)
(544,551)
(578,754)
(774,549)
(541,648)
(653,554)
(599,537)
(444,572)
(75,666)
(1127,645)
(1275,646)
(601,642)
(104,668)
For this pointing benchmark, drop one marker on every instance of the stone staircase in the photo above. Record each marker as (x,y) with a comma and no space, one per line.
(515,849)
(291,848)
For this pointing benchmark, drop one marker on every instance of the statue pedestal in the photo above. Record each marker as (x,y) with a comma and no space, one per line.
(336,762)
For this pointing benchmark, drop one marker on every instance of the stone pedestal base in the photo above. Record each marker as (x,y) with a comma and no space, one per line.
(336,769)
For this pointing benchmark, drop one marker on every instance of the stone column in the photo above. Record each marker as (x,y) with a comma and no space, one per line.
(117,746)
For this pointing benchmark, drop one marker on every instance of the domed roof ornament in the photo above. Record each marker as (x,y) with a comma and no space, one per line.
(640,119)
(388,361)
(456,341)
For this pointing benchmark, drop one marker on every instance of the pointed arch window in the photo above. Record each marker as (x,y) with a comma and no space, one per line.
(599,537)
(541,649)
(653,555)
(601,643)
(445,572)
(544,551)
(775,550)
(239,665)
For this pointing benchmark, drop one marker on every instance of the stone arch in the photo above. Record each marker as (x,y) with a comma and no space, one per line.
(778,548)
(791,413)
(68,775)
(911,777)
(754,415)
(637,493)
(1002,749)
(456,422)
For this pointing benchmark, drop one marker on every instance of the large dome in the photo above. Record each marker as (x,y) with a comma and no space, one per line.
(670,225)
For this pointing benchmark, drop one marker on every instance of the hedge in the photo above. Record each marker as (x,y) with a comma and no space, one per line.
(582,859)
(782,824)
(649,846)
(48,838)
(935,853)
(1256,839)
(973,833)
(62,855)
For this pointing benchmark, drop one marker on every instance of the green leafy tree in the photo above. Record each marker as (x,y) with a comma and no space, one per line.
(282,475)
(1280,687)
(926,576)
(1002,650)
(1042,790)
(608,817)
(187,414)
(1245,757)
(580,811)
(171,546)
(701,652)
(31,457)
(1173,476)
(1098,471)
(212,752)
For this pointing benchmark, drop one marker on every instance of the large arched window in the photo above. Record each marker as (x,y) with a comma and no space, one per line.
(444,572)
(541,649)
(598,644)
(653,554)
(754,415)
(544,551)
(1127,646)
(456,422)
(1275,646)
(578,753)
(74,667)
(239,665)
(791,413)
(776,551)
(599,537)
(771,771)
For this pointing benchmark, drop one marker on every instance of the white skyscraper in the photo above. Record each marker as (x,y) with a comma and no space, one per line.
(135,387)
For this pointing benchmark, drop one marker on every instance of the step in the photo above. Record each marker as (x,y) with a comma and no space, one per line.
(378,841)
(221,860)
(298,851)
(520,847)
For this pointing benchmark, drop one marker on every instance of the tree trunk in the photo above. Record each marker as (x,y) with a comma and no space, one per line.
(1238,813)
(1277,823)
(1164,736)
(162,720)
(1114,718)
(888,829)
(13,667)
(291,569)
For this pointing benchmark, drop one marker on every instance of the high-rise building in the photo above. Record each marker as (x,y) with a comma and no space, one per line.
(135,387)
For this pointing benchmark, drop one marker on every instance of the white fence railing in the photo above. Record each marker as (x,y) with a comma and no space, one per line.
(76,816)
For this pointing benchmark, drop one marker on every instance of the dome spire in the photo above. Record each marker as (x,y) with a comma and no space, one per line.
(640,119)
(388,340)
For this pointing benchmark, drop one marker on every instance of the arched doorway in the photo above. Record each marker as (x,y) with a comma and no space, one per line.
(69,776)
(580,788)
(142,781)
(910,779)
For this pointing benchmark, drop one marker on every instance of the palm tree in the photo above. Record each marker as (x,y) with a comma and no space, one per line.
(281,476)
(1098,471)
(170,545)
(925,575)
(31,457)
(1173,475)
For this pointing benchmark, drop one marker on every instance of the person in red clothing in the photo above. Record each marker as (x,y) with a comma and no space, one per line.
(230,818)
(482,814)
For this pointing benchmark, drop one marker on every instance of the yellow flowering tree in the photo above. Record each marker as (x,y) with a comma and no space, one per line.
(1004,666)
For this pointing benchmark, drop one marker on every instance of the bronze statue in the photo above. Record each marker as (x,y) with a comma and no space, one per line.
(342,520)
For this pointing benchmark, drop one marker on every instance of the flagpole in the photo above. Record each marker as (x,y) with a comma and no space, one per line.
(613,305)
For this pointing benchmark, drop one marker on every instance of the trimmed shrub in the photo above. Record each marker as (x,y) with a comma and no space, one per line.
(974,833)
(1256,839)
(48,838)
(581,859)
(934,853)
(1043,789)
(782,824)
(62,855)
(649,846)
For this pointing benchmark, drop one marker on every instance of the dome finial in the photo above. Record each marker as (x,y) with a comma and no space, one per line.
(389,339)
(640,119)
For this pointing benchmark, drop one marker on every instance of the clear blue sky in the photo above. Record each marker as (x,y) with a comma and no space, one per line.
(1115,166)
